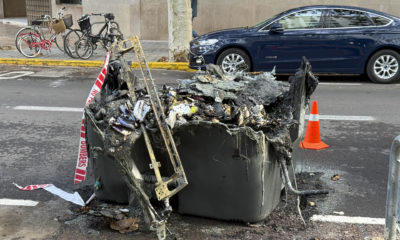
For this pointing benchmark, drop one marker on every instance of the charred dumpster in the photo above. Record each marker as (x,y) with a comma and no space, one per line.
(232,133)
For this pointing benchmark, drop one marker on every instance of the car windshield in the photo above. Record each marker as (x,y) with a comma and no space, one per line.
(263,22)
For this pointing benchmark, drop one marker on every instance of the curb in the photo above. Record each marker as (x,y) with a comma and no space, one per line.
(181,66)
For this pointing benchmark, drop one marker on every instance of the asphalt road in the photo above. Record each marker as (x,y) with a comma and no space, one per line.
(359,149)
(41,146)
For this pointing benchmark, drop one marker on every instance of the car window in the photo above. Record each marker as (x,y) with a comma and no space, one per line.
(259,24)
(378,20)
(302,20)
(340,18)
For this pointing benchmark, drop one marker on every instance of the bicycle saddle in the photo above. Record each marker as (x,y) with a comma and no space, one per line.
(109,16)
(37,22)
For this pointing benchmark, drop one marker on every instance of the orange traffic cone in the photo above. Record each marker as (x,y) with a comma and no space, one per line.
(312,140)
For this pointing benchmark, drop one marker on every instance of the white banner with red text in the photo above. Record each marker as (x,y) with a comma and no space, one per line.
(82,161)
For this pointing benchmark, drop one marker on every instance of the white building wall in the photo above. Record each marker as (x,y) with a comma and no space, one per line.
(149,18)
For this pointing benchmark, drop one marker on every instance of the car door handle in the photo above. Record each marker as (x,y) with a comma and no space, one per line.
(309,35)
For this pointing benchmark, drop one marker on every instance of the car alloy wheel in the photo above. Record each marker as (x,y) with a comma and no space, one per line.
(233,63)
(234,60)
(386,66)
(383,66)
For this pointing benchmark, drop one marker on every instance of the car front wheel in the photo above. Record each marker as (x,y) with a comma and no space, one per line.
(234,60)
(384,67)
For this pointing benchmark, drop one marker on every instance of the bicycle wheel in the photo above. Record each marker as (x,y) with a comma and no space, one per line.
(59,40)
(117,34)
(70,40)
(114,35)
(28,46)
(116,31)
(114,24)
(84,48)
(22,32)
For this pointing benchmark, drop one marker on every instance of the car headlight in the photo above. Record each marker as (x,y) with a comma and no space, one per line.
(206,42)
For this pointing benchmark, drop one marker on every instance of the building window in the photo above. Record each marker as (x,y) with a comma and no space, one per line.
(69,1)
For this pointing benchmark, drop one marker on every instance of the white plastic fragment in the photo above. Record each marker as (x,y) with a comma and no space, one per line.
(182,109)
(140,110)
(90,199)
(70,197)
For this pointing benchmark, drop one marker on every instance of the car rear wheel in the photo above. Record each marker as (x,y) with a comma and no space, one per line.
(234,60)
(384,67)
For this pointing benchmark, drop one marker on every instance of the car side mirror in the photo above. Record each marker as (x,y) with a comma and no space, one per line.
(276,28)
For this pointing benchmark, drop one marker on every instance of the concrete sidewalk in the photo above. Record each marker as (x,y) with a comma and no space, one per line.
(153,50)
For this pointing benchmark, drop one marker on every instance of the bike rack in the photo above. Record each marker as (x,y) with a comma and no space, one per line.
(392,199)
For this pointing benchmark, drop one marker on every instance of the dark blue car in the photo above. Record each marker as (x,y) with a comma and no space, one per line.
(335,39)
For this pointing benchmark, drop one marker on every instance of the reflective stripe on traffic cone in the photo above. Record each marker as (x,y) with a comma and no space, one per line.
(312,139)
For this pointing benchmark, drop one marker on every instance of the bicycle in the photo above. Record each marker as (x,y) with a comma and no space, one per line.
(31,40)
(87,42)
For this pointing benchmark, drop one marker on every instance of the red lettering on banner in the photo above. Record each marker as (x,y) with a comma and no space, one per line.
(89,100)
(82,159)
(82,164)
(82,156)
(92,94)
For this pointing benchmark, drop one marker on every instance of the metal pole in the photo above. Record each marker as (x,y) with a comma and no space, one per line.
(392,200)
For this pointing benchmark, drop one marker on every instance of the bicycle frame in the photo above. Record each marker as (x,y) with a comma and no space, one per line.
(94,38)
(44,43)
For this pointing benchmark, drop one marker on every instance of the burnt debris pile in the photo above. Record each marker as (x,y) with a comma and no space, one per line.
(255,100)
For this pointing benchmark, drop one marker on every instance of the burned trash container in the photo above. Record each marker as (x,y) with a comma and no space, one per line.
(233,173)
(230,132)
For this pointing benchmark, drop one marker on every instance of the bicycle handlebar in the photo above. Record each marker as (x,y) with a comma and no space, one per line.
(99,14)
(60,12)
(45,16)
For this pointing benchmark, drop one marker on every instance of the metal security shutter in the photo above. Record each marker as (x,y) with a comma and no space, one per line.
(37,8)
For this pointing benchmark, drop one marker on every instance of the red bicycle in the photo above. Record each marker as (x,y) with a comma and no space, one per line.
(31,40)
